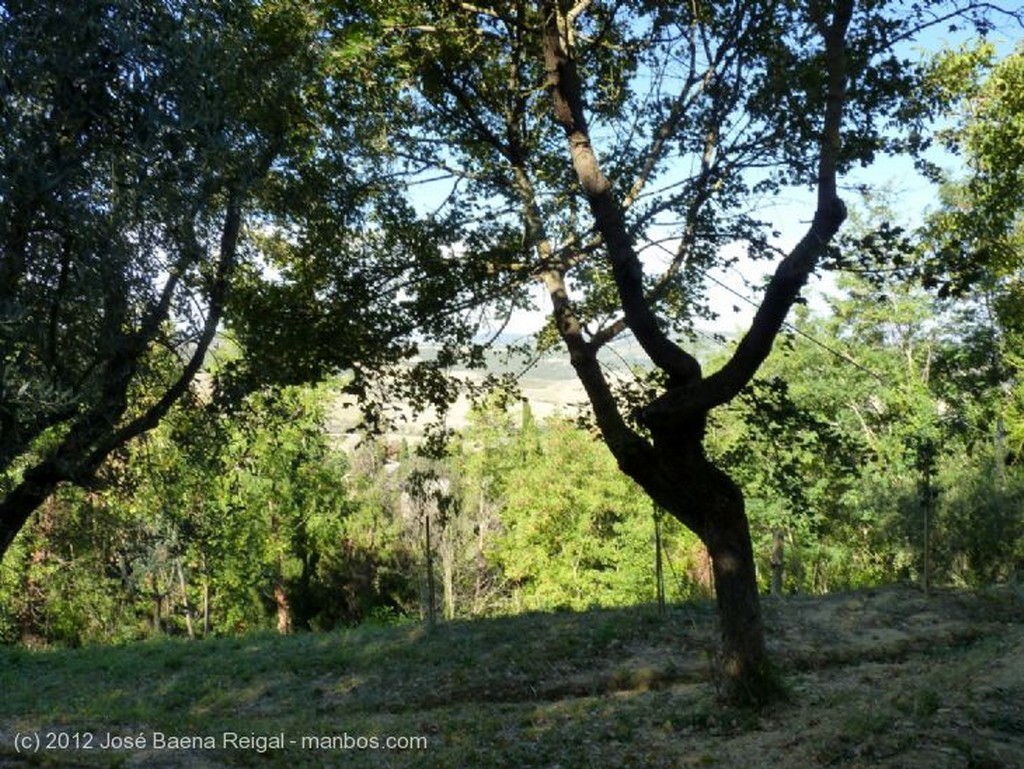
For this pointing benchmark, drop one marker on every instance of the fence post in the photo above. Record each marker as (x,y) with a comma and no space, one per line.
(659,571)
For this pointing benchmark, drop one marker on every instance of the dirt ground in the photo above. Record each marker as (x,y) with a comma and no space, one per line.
(890,678)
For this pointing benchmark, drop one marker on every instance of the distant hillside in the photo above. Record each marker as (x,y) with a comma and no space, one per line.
(548,383)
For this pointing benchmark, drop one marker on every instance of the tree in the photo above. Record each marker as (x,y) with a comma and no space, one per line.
(134,141)
(974,246)
(795,462)
(212,523)
(481,459)
(173,168)
(575,135)
(974,243)
(574,532)
(976,236)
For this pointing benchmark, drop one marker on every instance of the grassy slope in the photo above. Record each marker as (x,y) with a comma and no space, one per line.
(882,678)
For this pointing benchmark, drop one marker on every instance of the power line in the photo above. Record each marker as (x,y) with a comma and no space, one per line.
(840,354)
(844,356)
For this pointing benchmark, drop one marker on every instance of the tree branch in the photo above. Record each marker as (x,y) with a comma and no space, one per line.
(218,297)
(94,435)
(567,106)
(792,273)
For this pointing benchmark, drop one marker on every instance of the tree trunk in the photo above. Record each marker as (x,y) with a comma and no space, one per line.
(707,501)
(448,573)
(746,673)
(431,618)
(284,609)
(157,597)
(674,471)
(18,506)
(99,431)
(189,611)
(449,589)
(778,561)
(659,571)
(206,607)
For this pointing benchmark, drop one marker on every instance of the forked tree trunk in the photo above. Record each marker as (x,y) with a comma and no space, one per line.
(675,471)
(100,430)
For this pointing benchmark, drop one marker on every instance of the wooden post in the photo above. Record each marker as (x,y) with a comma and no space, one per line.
(206,597)
(926,464)
(430,572)
(778,561)
(186,602)
(206,607)
(659,571)
(1000,452)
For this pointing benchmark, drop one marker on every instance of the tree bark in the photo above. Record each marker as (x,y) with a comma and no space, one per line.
(673,468)
(19,505)
(284,608)
(674,471)
(704,498)
(206,604)
(745,668)
(186,602)
(659,572)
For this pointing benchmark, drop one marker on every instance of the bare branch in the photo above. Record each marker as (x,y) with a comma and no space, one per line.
(573,13)
(994,8)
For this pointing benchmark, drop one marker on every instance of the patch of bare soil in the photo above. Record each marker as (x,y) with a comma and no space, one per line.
(891,679)
(888,678)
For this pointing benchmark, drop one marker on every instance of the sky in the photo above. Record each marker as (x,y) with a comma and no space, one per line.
(916,197)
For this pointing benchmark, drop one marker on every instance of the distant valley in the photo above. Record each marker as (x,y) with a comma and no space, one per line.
(548,383)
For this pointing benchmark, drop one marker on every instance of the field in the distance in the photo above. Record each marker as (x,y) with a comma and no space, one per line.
(880,678)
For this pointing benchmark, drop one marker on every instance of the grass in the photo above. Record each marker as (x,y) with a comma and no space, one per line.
(605,688)
(535,673)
